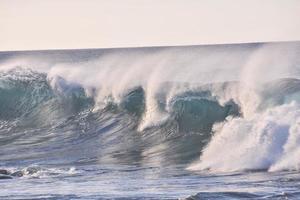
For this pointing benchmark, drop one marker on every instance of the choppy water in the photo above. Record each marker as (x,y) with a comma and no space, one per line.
(136,182)
(202,122)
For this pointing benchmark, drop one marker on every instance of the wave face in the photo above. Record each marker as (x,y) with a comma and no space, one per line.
(234,106)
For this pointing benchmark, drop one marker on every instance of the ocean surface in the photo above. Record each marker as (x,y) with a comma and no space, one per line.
(194,122)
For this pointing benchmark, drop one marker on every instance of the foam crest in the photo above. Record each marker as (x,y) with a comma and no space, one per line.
(111,75)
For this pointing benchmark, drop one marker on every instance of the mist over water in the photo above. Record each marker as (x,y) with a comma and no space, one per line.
(195,113)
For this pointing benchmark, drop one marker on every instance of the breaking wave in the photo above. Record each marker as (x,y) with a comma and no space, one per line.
(237,108)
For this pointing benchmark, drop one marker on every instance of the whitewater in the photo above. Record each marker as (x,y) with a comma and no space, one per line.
(190,122)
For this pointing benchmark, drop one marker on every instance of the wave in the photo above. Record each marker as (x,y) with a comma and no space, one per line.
(36,109)
(112,110)
(25,93)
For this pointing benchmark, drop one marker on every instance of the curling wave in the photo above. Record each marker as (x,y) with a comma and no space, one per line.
(49,112)
(160,106)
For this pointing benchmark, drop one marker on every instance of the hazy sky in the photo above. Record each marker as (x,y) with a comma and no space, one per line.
(57,24)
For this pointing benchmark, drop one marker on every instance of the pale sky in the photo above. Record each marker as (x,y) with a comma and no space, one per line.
(75,24)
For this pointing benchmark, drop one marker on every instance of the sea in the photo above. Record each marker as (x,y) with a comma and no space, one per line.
(185,122)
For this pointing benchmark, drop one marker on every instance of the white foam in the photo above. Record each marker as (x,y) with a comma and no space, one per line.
(263,138)
(268,140)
